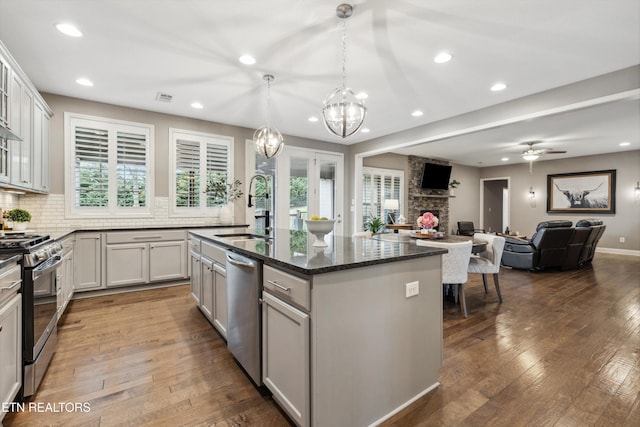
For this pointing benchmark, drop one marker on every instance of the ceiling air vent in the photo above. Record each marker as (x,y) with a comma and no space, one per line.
(164,97)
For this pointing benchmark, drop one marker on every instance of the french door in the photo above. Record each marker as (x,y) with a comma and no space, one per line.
(304,183)
(312,180)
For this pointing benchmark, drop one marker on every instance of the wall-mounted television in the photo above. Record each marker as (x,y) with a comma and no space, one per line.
(435,176)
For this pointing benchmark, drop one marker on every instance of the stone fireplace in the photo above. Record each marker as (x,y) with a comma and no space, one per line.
(420,201)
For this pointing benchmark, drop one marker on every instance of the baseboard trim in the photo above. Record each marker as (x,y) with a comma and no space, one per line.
(404,405)
(617,251)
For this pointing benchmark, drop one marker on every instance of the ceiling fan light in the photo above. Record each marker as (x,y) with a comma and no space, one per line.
(530,157)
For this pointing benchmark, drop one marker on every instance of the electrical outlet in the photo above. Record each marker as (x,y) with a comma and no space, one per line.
(622,240)
(412,289)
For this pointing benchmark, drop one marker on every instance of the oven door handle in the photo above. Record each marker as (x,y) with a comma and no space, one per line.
(37,272)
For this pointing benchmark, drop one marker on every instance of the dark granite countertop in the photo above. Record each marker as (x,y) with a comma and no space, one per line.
(294,250)
(61,234)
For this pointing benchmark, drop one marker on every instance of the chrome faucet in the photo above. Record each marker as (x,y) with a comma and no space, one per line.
(267,224)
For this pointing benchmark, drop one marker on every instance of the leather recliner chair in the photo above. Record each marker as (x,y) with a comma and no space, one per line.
(547,247)
(596,227)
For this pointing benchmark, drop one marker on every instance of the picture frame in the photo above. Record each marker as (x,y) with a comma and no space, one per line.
(591,192)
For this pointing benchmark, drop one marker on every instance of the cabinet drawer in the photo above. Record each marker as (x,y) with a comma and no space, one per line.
(287,287)
(214,252)
(10,282)
(194,244)
(145,236)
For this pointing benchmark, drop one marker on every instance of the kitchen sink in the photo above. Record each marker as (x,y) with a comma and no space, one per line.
(242,236)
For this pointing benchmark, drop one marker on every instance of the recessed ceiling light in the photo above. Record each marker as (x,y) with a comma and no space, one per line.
(247,59)
(84,82)
(196,105)
(497,87)
(69,30)
(504,159)
(624,144)
(442,57)
(313,119)
(365,130)
(362,95)
(417,113)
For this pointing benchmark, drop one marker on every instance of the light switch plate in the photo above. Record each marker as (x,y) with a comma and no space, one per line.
(412,289)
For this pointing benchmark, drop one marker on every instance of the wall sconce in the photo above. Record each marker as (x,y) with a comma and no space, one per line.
(636,191)
(532,194)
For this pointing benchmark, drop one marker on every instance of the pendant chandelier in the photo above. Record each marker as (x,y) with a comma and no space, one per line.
(268,141)
(342,111)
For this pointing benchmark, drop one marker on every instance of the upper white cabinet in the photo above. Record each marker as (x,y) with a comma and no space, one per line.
(24,163)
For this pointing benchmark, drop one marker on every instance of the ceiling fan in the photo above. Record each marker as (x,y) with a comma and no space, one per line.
(532,154)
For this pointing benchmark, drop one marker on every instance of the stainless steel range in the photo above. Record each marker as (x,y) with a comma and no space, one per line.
(41,257)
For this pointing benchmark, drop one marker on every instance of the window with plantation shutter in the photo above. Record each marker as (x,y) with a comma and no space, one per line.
(379,185)
(109,164)
(196,159)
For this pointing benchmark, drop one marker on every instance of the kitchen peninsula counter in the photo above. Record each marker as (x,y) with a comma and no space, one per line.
(294,250)
(371,343)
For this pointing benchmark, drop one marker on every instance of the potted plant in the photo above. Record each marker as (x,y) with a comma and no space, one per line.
(373,224)
(452,186)
(20,218)
(224,193)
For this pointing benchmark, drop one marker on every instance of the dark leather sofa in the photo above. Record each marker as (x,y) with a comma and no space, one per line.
(555,244)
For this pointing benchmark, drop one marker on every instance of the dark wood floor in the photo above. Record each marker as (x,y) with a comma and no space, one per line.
(563,349)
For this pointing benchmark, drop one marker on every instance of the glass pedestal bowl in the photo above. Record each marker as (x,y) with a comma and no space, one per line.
(320,228)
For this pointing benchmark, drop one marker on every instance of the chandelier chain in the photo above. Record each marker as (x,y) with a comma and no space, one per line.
(344,53)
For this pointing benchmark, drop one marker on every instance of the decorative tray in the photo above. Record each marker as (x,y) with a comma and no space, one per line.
(419,235)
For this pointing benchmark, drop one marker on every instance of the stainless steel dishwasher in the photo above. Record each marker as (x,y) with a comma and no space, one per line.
(244,317)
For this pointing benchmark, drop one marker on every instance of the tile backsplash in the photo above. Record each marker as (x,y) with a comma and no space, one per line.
(48,214)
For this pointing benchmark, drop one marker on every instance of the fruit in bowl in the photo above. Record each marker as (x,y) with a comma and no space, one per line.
(319,227)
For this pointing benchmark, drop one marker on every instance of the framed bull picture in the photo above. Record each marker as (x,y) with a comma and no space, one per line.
(582,192)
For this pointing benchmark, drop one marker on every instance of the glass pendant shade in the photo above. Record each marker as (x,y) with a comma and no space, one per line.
(343,113)
(530,157)
(268,141)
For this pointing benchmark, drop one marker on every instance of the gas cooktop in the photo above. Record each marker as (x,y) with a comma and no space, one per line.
(21,241)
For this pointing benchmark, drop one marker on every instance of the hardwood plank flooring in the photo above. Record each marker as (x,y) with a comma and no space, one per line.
(563,349)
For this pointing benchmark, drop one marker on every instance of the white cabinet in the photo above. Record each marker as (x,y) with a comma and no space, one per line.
(127,264)
(23,164)
(196,278)
(139,257)
(88,261)
(22,151)
(207,279)
(41,119)
(285,356)
(5,89)
(10,349)
(167,260)
(213,277)
(64,276)
(220,299)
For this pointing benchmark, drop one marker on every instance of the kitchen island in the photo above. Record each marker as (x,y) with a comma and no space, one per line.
(351,333)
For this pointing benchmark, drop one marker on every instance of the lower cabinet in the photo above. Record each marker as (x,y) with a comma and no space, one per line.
(213,303)
(142,257)
(127,264)
(10,350)
(285,356)
(196,278)
(88,261)
(220,299)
